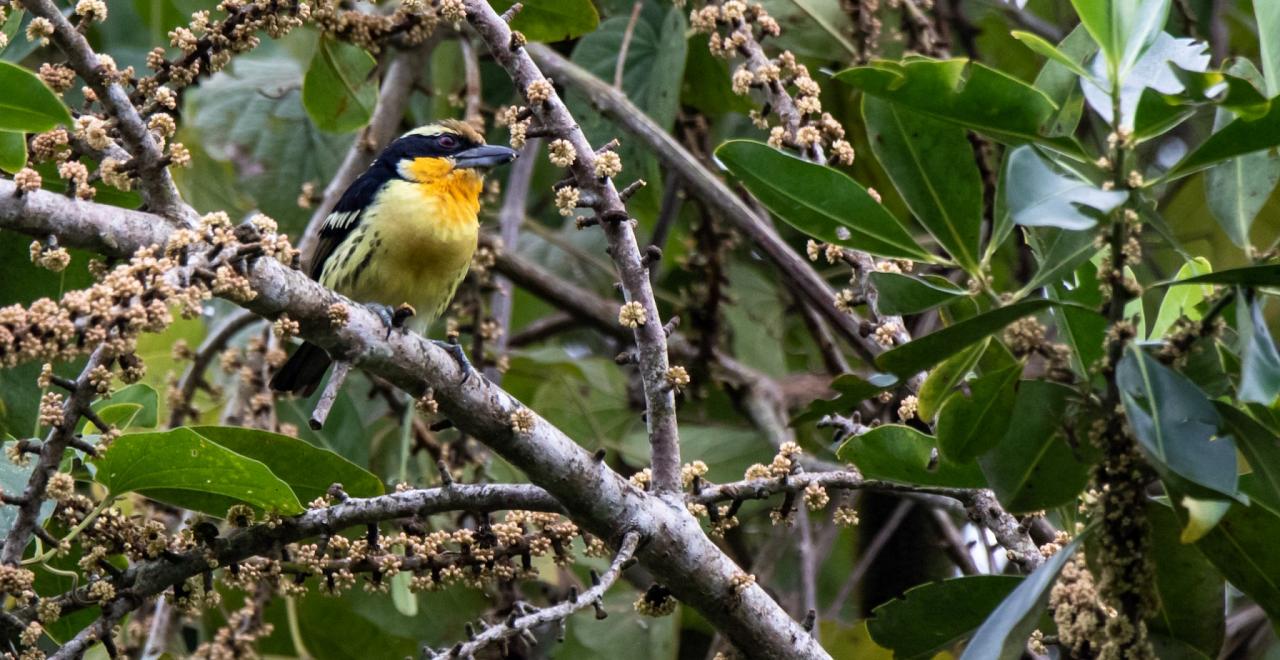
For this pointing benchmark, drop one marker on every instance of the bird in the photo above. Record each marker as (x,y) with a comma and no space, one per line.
(402,233)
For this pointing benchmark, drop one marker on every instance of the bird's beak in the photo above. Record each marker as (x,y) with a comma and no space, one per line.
(483,156)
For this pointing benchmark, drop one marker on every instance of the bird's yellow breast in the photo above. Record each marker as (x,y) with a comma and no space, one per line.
(415,243)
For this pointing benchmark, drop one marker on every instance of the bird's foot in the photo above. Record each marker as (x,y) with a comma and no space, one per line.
(455,349)
(385,314)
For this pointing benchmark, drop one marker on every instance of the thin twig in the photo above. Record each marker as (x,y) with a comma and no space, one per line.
(621,65)
(519,625)
(330,394)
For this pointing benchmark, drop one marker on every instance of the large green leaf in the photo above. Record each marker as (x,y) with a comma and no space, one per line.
(966,93)
(13,151)
(1003,635)
(307,469)
(1189,590)
(1243,135)
(819,201)
(339,90)
(851,390)
(1242,546)
(251,115)
(552,20)
(183,468)
(1123,28)
(1251,276)
(938,384)
(1062,85)
(136,405)
(1058,251)
(1084,331)
(1259,444)
(1038,196)
(1236,189)
(1260,362)
(903,294)
(1180,301)
(893,452)
(932,165)
(1268,17)
(931,617)
(1176,425)
(971,423)
(1032,468)
(924,352)
(1151,74)
(27,105)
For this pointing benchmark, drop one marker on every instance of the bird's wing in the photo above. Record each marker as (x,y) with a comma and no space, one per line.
(345,217)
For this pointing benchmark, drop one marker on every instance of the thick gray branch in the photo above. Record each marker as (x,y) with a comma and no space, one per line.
(554,118)
(153,175)
(673,546)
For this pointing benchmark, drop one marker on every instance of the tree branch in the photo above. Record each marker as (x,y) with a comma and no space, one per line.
(519,625)
(651,342)
(153,175)
(597,499)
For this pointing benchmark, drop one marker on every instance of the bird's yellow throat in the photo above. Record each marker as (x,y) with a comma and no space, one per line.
(453,194)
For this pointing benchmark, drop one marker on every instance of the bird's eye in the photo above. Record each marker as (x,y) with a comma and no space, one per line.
(447,141)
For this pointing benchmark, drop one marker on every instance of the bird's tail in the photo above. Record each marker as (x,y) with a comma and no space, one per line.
(304,370)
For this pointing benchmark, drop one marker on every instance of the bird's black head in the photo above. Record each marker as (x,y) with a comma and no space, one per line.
(438,149)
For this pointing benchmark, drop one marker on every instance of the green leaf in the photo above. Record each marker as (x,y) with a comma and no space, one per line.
(1234,89)
(1157,113)
(1243,135)
(1084,331)
(1242,546)
(1151,73)
(1259,445)
(1268,21)
(817,200)
(851,390)
(13,480)
(136,405)
(941,379)
(1175,424)
(251,115)
(1003,635)
(339,90)
(924,352)
(1058,251)
(1189,590)
(13,151)
(27,105)
(1203,515)
(1249,276)
(307,469)
(1237,189)
(1048,50)
(1062,85)
(1123,28)
(931,617)
(893,452)
(1180,301)
(970,424)
(903,294)
(962,92)
(1038,196)
(932,165)
(184,469)
(1032,467)
(552,20)
(1260,363)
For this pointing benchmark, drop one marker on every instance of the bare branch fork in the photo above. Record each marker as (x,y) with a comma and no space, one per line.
(554,117)
(517,625)
(55,445)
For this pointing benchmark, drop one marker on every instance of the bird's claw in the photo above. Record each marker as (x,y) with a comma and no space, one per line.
(459,356)
(385,314)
